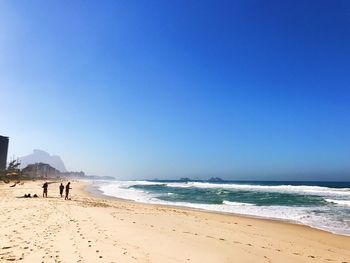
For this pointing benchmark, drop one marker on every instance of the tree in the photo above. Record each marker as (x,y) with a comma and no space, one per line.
(12,170)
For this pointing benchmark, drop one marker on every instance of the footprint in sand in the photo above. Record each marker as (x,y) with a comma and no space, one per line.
(6,247)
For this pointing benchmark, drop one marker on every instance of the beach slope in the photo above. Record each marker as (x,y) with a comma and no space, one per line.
(94,229)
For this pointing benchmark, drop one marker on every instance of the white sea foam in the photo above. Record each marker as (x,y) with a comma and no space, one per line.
(180,185)
(225,202)
(339,202)
(318,217)
(121,190)
(302,189)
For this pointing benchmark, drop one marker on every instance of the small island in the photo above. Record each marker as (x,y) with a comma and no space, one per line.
(185,179)
(215,180)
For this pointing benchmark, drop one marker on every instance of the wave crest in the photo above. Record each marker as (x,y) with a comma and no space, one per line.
(339,202)
(225,202)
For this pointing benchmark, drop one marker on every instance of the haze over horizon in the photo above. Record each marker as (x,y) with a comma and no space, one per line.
(160,89)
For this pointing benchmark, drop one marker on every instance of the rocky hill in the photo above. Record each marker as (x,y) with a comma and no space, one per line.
(40,156)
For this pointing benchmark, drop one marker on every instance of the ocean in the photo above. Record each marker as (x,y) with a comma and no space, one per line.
(322,205)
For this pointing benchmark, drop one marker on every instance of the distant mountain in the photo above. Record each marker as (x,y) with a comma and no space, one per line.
(39,156)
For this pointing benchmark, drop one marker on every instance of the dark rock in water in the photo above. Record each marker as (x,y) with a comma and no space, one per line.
(215,179)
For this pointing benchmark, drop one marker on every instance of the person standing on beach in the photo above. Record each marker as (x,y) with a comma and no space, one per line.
(45,186)
(67,191)
(61,189)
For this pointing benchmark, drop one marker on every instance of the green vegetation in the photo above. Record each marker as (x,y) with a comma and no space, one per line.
(12,172)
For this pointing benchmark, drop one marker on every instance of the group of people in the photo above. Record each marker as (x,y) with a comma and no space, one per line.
(61,188)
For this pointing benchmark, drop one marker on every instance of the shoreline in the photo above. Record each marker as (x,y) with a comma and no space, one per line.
(97,193)
(94,229)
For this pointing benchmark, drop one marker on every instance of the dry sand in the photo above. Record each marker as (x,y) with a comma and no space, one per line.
(92,229)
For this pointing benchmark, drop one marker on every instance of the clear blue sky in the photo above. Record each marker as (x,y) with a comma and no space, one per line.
(144,89)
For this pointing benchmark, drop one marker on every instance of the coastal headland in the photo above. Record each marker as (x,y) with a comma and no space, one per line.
(93,228)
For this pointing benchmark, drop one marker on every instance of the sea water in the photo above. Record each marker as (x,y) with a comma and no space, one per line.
(323,205)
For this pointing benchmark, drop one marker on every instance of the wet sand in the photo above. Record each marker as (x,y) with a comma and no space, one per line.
(91,228)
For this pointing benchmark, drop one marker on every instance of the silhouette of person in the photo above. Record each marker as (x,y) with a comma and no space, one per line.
(67,191)
(61,189)
(45,186)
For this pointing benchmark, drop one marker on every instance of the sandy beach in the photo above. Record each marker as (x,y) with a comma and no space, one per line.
(91,228)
